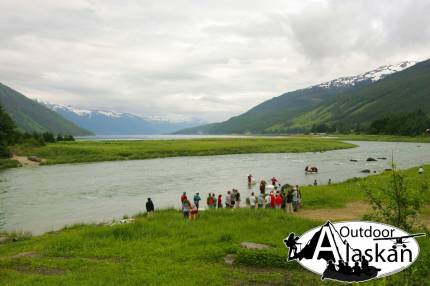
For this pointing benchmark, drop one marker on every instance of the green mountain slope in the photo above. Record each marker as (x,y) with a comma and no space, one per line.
(31,116)
(345,101)
(403,92)
(274,114)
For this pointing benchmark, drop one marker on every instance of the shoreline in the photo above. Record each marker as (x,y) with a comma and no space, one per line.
(120,150)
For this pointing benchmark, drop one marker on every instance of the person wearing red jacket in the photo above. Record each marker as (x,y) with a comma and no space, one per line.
(278,200)
(183,197)
(272,200)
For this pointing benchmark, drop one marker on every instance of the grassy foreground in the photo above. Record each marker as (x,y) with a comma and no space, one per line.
(95,151)
(168,250)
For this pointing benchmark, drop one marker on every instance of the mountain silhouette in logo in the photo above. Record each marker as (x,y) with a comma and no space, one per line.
(331,240)
(308,250)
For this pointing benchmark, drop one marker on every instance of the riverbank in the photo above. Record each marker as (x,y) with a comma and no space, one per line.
(168,250)
(97,151)
(382,138)
(8,163)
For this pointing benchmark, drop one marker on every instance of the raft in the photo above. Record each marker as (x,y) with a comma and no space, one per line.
(371,272)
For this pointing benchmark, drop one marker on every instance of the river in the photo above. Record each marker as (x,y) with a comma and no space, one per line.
(45,198)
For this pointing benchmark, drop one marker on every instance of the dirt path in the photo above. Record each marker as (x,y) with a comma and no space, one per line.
(352,211)
(24,161)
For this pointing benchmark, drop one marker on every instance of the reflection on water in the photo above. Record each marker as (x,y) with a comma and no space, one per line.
(44,198)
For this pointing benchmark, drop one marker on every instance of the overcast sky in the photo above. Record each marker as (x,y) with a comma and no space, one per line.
(198,58)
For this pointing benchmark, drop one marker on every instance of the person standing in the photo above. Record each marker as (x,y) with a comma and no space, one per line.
(252,200)
(186,206)
(228,200)
(284,199)
(295,199)
(268,201)
(272,200)
(260,200)
(278,200)
(215,200)
(329,181)
(210,201)
(299,196)
(290,201)
(220,201)
(197,200)
(184,196)
(237,198)
(194,212)
(315,182)
(233,198)
(149,207)
(263,186)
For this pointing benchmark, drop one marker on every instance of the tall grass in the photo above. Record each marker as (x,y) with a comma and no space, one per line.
(93,151)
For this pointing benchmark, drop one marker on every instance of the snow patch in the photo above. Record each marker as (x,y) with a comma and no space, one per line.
(373,76)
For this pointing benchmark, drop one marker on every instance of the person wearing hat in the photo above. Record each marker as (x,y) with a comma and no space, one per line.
(197,199)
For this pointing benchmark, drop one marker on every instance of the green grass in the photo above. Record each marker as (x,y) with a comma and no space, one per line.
(7,163)
(168,250)
(93,151)
(338,195)
(386,138)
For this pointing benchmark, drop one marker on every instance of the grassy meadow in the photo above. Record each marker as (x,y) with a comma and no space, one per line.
(168,250)
(95,151)
(339,194)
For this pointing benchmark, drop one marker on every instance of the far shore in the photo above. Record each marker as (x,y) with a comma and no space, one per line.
(117,150)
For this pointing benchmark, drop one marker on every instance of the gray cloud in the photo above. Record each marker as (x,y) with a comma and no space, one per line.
(207,59)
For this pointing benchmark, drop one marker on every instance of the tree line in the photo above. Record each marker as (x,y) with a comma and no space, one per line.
(406,124)
(10,135)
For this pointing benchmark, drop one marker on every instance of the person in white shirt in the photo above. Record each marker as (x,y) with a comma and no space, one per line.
(420,170)
(268,202)
(252,200)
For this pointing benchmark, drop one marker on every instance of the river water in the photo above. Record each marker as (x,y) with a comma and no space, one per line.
(40,199)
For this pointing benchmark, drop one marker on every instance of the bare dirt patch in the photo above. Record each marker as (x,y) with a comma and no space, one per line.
(43,270)
(254,246)
(25,162)
(30,254)
(352,211)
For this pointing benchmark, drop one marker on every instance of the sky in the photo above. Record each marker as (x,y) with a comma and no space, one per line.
(197,58)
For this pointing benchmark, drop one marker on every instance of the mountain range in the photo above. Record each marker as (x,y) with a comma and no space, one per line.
(107,122)
(30,116)
(360,99)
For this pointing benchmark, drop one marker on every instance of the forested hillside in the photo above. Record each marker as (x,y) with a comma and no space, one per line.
(30,116)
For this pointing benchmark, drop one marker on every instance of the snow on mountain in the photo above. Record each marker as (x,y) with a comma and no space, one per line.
(373,75)
(107,122)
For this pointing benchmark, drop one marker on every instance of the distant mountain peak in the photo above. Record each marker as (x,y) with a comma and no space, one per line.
(113,122)
(374,75)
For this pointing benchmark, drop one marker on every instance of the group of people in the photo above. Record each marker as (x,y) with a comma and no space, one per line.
(344,268)
(189,210)
(274,195)
(286,197)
